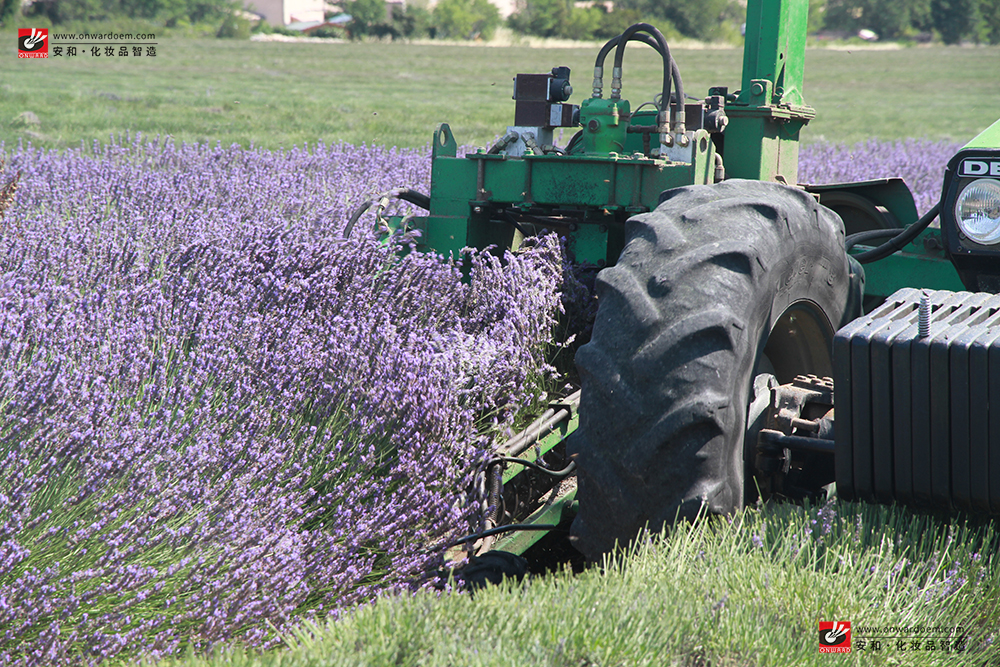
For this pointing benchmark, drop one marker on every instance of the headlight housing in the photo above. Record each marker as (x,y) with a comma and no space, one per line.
(977,211)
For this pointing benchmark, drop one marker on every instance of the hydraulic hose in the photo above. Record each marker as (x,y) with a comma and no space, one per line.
(639,37)
(897,242)
(565,472)
(664,50)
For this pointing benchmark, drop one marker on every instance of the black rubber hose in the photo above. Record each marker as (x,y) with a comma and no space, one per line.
(406,194)
(501,529)
(675,72)
(358,212)
(899,241)
(870,235)
(415,198)
(668,65)
(613,42)
(574,140)
(534,466)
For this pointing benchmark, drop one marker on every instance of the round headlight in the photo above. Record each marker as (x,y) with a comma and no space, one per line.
(978,211)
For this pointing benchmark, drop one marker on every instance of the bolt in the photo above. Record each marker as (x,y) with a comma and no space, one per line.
(924,321)
(594,125)
(757,89)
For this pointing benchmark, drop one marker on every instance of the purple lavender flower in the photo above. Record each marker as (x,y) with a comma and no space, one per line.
(216,415)
(920,163)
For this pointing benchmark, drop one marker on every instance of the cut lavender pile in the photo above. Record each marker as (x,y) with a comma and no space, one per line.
(215,414)
(218,417)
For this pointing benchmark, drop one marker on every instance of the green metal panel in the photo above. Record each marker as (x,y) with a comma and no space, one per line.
(589,244)
(543,446)
(445,235)
(573,181)
(553,513)
(988,138)
(774,50)
(604,130)
(506,180)
(761,147)
(921,264)
(761,141)
(891,193)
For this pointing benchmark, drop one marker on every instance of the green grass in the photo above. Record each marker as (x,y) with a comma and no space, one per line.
(702,596)
(740,594)
(280,94)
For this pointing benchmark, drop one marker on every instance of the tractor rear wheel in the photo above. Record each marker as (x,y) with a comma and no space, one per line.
(720,285)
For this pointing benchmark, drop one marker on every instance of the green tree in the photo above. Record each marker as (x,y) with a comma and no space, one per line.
(988,28)
(581,23)
(703,20)
(614,23)
(365,15)
(8,10)
(464,19)
(413,21)
(953,18)
(234,27)
(889,19)
(817,15)
(194,11)
(540,17)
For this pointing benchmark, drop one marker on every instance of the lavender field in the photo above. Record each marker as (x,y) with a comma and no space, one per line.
(218,418)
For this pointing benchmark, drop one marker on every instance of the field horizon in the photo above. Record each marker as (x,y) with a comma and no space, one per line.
(281,95)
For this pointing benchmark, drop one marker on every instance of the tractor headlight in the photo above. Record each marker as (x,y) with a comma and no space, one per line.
(977,211)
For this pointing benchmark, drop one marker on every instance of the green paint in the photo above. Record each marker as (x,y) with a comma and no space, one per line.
(472,195)
(542,447)
(988,138)
(920,264)
(604,128)
(761,142)
(556,512)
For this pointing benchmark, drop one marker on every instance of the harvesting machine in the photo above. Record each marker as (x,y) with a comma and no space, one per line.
(737,308)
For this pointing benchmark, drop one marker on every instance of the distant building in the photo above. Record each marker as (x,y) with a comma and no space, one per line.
(285,12)
(506,7)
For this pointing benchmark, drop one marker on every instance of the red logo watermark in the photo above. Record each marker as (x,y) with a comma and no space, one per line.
(32,43)
(835,637)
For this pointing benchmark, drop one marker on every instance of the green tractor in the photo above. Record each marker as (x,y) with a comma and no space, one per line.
(731,306)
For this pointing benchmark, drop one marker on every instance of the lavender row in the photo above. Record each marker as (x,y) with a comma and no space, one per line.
(920,163)
(217,415)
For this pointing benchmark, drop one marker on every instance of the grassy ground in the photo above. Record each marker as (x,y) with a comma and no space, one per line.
(718,597)
(744,594)
(279,94)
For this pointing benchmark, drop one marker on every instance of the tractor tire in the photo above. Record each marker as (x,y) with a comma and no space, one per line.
(719,285)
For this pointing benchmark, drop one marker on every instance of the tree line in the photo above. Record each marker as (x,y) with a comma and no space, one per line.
(950,21)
